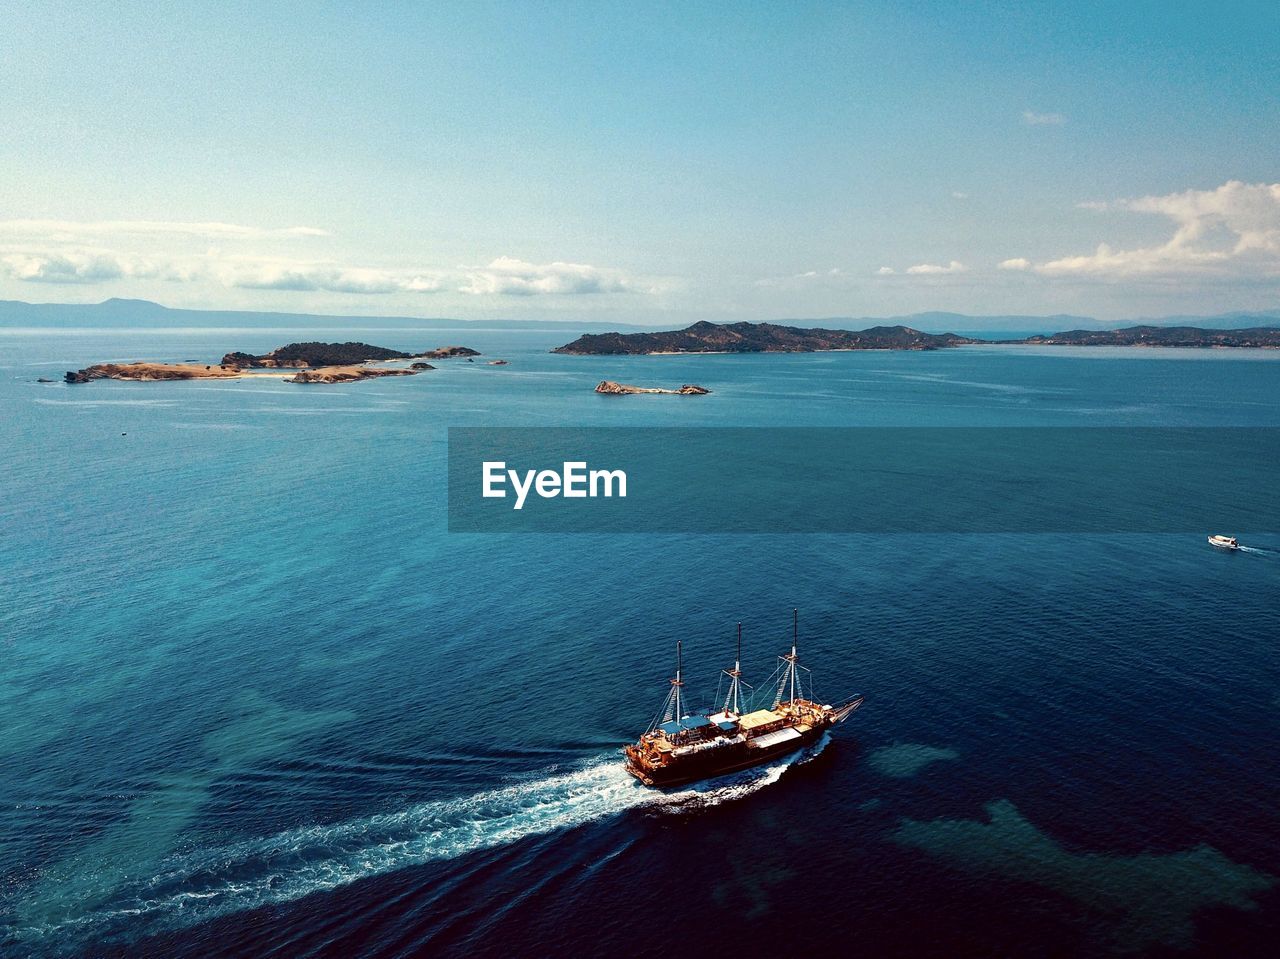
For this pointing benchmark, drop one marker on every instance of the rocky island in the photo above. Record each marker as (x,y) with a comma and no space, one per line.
(611,388)
(346,374)
(304,355)
(315,362)
(707,337)
(449,352)
(150,372)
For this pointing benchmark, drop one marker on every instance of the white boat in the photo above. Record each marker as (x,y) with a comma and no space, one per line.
(1224,542)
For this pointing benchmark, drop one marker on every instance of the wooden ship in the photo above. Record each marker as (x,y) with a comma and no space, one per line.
(681,747)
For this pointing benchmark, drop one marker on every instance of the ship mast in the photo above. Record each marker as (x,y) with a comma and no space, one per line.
(675,708)
(733,701)
(789,678)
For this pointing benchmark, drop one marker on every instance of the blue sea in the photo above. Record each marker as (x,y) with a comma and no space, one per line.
(255,700)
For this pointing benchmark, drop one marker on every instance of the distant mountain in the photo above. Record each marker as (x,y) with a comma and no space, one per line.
(1265,319)
(121,312)
(116,313)
(1179,336)
(759,338)
(937,320)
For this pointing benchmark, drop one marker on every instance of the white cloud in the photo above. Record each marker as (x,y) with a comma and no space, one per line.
(921,269)
(504,276)
(1097,206)
(245,272)
(324,277)
(88,266)
(66,229)
(1016,263)
(509,276)
(56,268)
(1031,118)
(1233,229)
(886,271)
(103,251)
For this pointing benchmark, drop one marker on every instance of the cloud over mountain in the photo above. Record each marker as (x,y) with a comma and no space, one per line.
(246,257)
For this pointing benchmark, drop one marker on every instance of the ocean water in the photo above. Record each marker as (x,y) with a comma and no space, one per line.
(255,700)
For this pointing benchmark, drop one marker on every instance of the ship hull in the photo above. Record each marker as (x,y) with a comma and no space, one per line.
(697,768)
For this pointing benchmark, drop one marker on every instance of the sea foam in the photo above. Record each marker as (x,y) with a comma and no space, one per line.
(196,886)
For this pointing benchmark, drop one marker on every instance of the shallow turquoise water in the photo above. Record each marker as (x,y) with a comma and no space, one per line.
(254,698)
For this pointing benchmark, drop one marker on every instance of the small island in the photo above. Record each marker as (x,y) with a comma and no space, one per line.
(450,352)
(303,355)
(346,374)
(610,388)
(315,362)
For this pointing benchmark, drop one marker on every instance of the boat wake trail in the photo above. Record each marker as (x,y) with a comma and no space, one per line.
(194,887)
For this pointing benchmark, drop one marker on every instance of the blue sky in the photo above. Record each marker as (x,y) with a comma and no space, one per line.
(643,162)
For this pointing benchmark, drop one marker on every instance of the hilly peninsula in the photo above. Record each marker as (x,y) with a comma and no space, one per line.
(744,337)
(1264,337)
(707,337)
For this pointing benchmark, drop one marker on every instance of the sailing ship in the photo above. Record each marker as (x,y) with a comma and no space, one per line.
(681,747)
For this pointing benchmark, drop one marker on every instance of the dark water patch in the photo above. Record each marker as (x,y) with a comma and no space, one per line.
(1138,901)
(904,760)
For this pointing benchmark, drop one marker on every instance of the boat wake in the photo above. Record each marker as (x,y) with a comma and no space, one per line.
(194,887)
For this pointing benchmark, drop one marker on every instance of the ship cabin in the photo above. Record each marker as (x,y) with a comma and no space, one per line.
(762,721)
(695,729)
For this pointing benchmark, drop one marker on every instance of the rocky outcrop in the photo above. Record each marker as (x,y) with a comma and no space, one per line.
(152,371)
(346,374)
(759,338)
(609,387)
(421,366)
(449,352)
(497,362)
